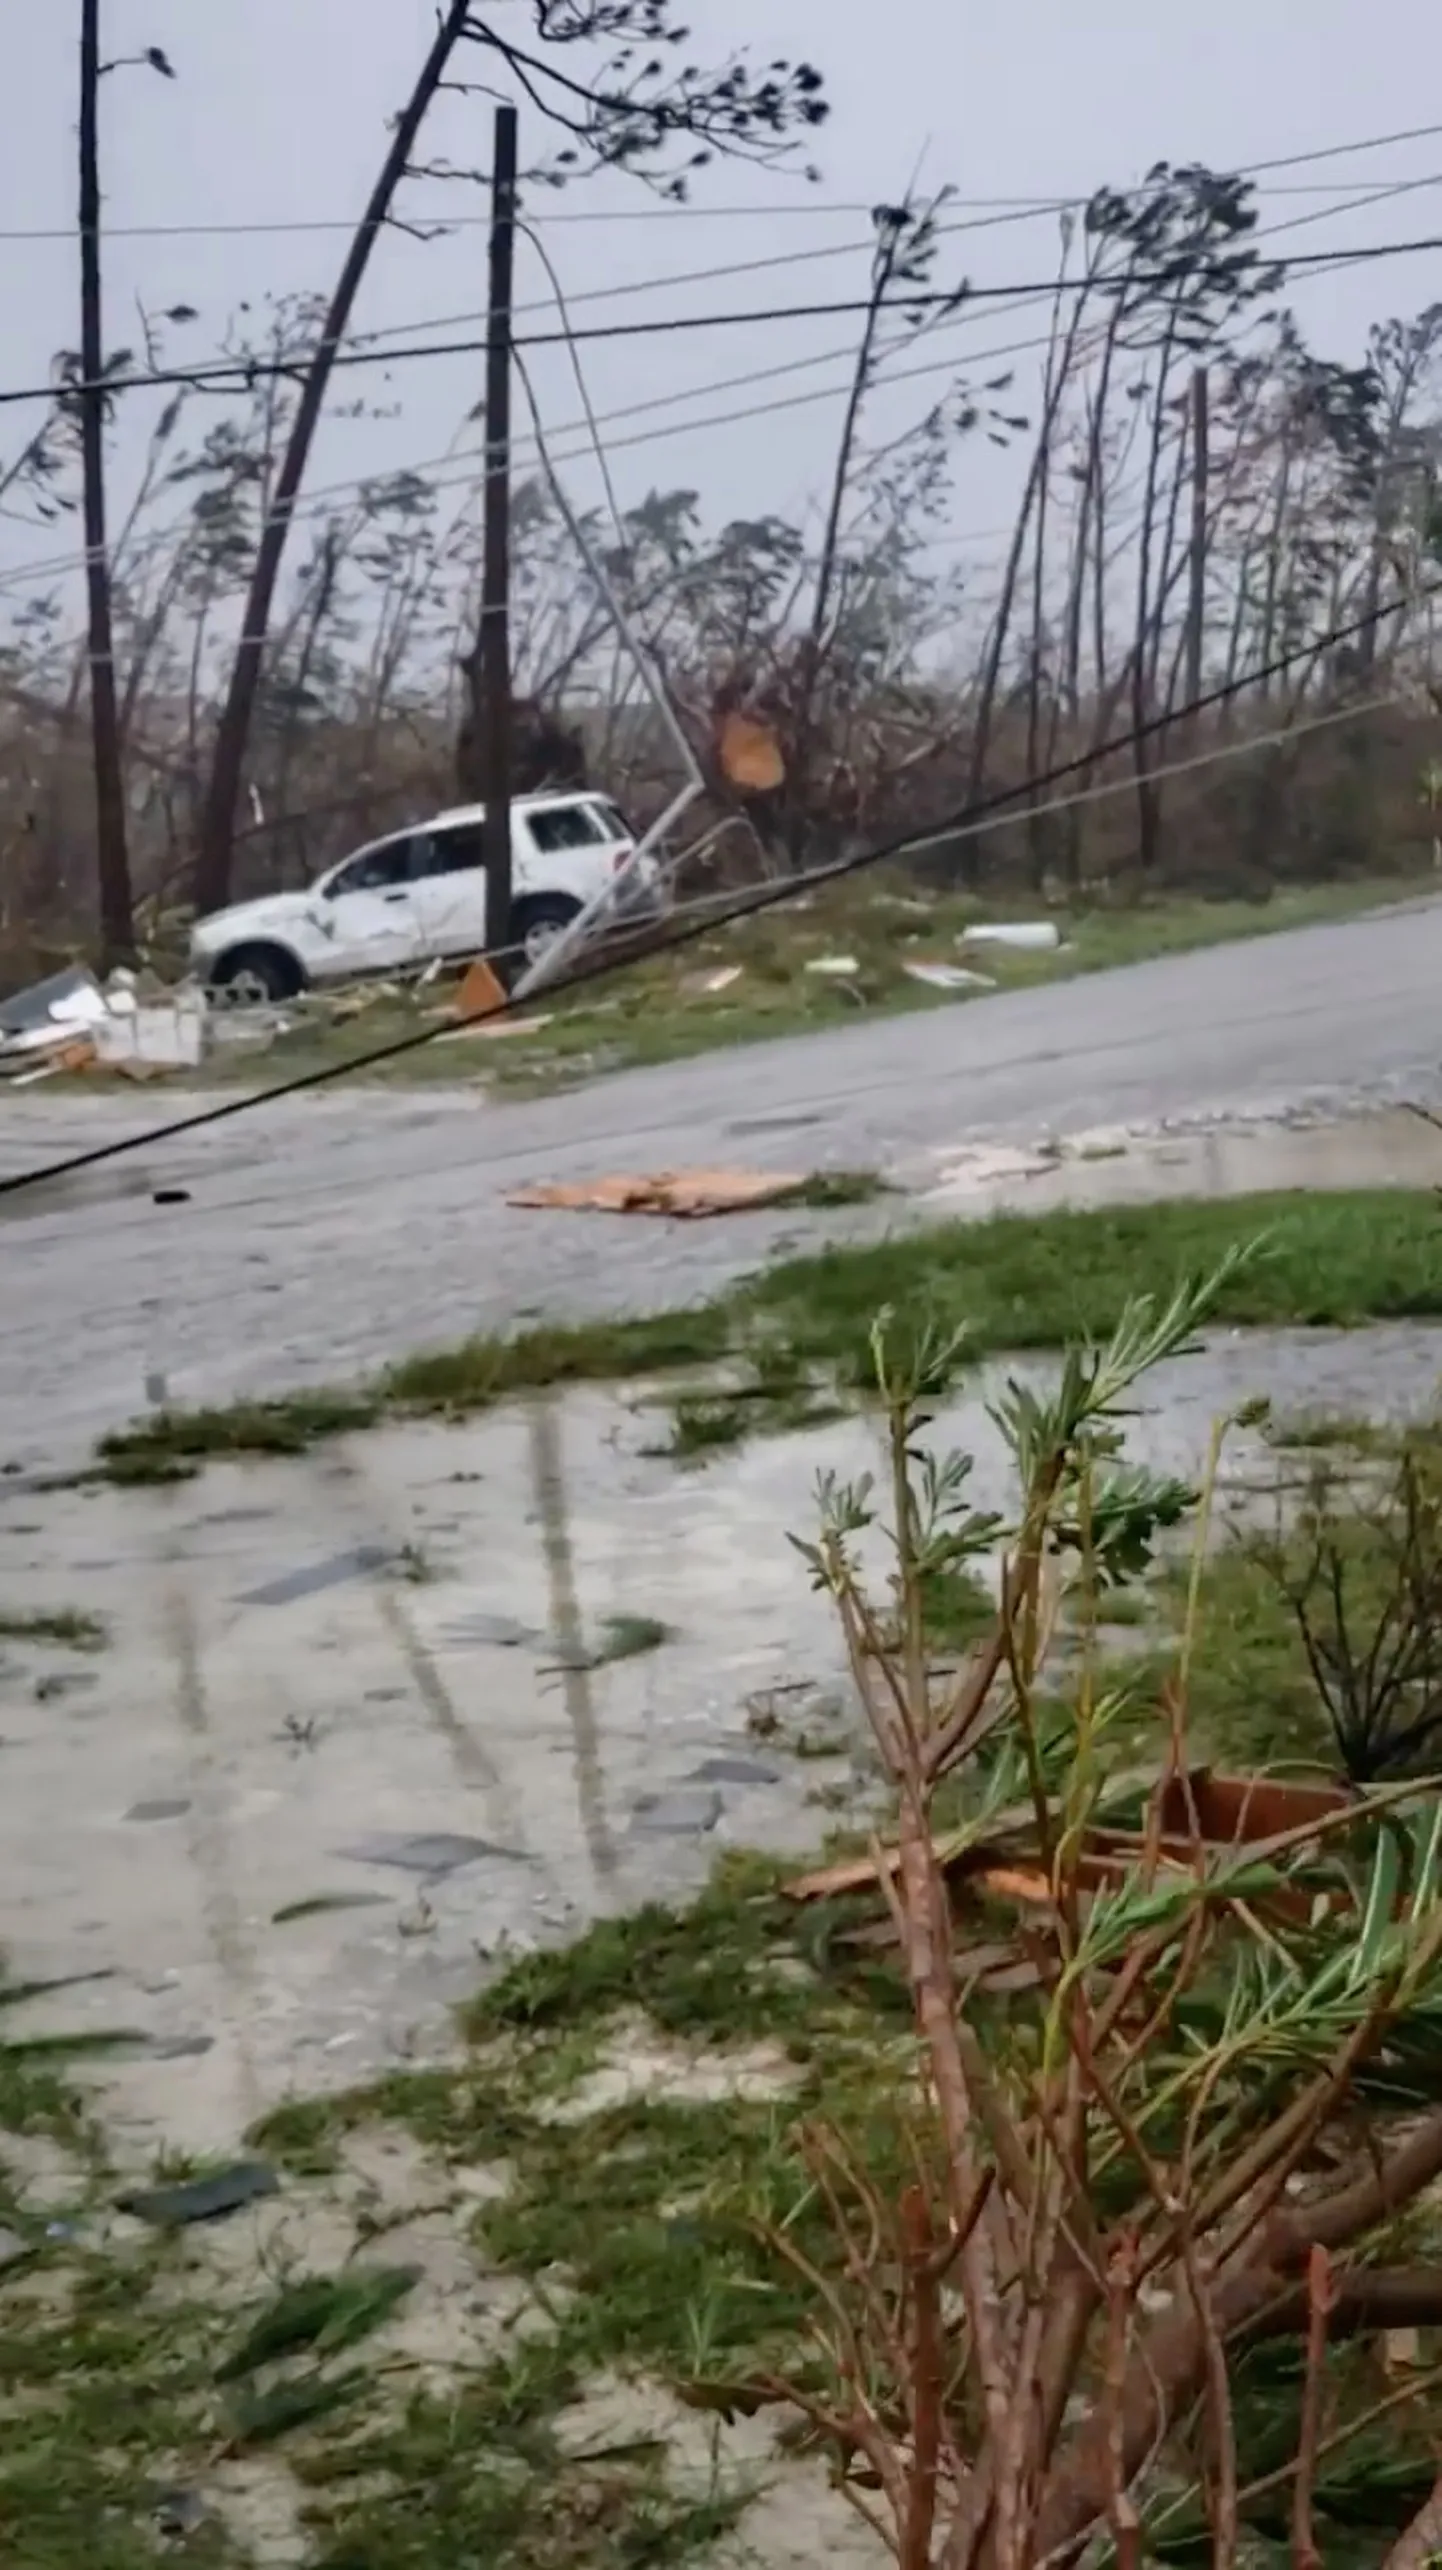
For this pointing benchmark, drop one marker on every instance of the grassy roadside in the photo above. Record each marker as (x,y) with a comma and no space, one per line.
(795,1337)
(527,2353)
(655,1012)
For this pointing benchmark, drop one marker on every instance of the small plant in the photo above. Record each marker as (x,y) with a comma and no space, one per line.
(1365,1588)
(1088,2296)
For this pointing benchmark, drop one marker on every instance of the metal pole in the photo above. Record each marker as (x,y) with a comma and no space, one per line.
(117,927)
(494,654)
(559,951)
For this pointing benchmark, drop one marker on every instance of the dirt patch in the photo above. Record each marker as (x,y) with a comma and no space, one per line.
(39,2173)
(259,2503)
(795,2518)
(638,2066)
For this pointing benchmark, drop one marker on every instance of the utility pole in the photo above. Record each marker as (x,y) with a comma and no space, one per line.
(1197,566)
(117,926)
(493,657)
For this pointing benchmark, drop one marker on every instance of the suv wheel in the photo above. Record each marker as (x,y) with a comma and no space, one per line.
(537,923)
(254,976)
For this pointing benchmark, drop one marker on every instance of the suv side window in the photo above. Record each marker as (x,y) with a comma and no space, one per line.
(555,827)
(383,869)
(447,852)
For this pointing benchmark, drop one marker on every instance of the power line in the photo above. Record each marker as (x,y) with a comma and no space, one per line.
(317,499)
(1381,195)
(786,207)
(251,371)
(969,821)
(313,504)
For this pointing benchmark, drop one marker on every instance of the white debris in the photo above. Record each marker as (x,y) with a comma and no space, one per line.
(165,1035)
(1027,936)
(949,977)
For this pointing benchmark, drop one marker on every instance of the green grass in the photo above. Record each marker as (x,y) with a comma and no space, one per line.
(69,1628)
(644,2231)
(1021,1281)
(171,1445)
(635,2226)
(645,1015)
(630,1637)
(800,1330)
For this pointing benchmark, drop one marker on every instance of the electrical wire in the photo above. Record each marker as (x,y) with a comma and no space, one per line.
(1383,194)
(18,574)
(969,822)
(593,424)
(256,370)
(318,498)
(792,206)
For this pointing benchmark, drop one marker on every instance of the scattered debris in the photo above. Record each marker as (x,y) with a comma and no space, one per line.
(202,2199)
(730,1770)
(969,1173)
(1198,1809)
(13,2250)
(1027,936)
(497,1027)
(807,1720)
(689,1812)
(359,1561)
(686,1193)
(837,967)
(50,1026)
(707,985)
(320,1904)
(179,2512)
(165,1034)
(68,1023)
(432,1853)
(949,977)
(65,1003)
(479,989)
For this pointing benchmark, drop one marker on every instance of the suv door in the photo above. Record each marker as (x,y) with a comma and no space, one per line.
(368,909)
(449,890)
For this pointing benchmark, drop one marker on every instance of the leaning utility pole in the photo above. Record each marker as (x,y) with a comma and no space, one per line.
(117,925)
(492,681)
(1197,565)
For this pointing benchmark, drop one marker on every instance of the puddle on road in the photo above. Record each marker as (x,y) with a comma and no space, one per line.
(1389,1149)
(373,1789)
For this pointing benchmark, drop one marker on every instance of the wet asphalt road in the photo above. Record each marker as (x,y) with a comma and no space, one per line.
(325,1235)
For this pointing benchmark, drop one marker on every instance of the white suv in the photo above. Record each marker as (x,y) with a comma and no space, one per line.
(419,896)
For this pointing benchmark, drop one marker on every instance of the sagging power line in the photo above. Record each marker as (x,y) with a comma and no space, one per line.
(248,371)
(969,821)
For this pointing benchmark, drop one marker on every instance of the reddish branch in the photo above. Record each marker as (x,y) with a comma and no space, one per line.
(1321,2297)
(1264,2295)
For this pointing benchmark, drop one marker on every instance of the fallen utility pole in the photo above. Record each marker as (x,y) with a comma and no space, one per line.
(112,856)
(493,655)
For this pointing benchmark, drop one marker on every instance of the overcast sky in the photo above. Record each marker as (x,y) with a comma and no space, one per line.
(277,118)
